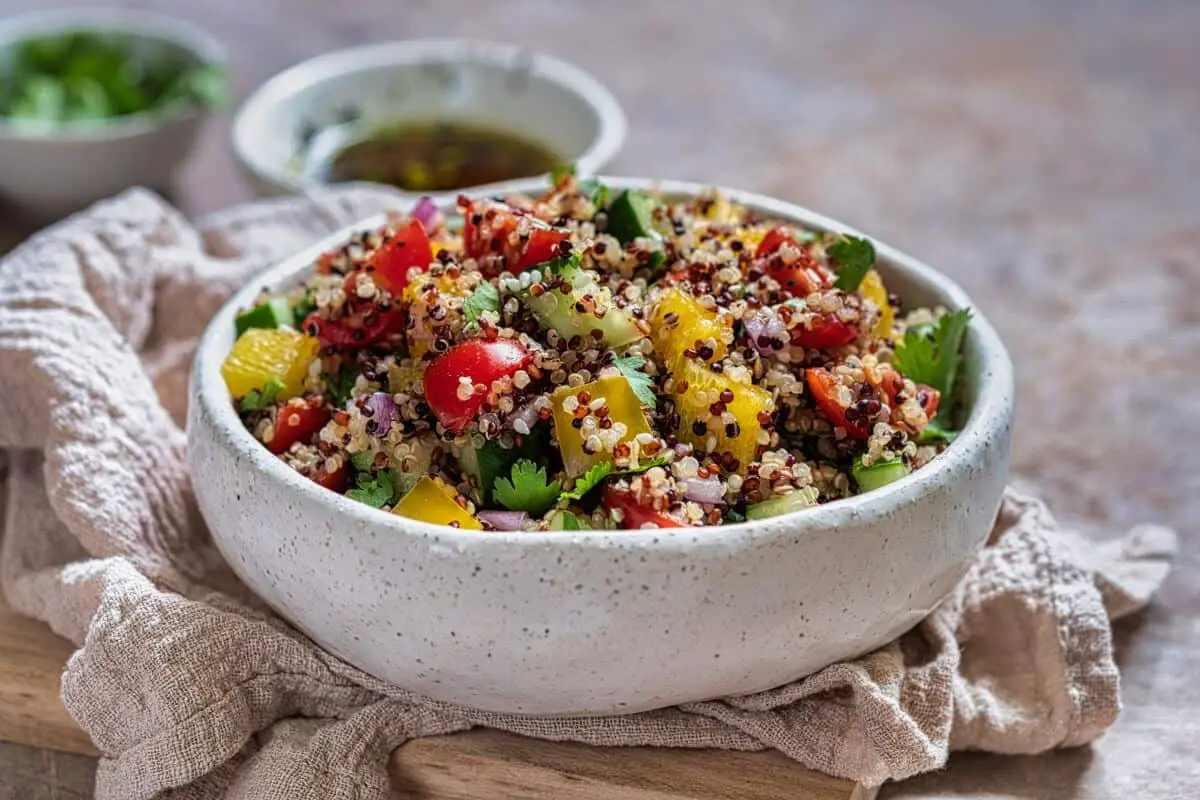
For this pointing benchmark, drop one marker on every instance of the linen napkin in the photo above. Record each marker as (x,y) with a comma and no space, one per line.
(192,689)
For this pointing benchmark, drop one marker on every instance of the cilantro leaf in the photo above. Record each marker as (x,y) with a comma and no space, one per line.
(733,515)
(642,467)
(931,356)
(588,481)
(641,383)
(556,266)
(528,490)
(256,400)
(362,460)
(854,258)
(560,170)
(340,387)
(376,489)
(484,298)
(596,191)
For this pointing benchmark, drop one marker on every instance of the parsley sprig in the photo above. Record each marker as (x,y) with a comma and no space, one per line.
(528,489)
(854,258)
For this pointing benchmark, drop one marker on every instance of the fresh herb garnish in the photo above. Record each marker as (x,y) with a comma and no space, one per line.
(641,383)
(362,461)
(934,433)
(854,258)
(484,298)
(931,356)
(257,400)
(376,489)
(340,388)
(596,191)
(560,171)
(556,266)
(306,305)
(528,490)
(90,75)
(605,469)
(732,515)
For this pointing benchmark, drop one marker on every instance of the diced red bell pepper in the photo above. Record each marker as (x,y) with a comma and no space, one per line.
(480,362)
(893,383)
(826,331)
(358,329)
(773,241)
(298,420)
(823,386)
(633,514)
(929,398)
(542,246)
(405,248)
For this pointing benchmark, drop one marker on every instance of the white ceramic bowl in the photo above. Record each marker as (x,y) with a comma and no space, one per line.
(599,622)
(46,174)
(504,86)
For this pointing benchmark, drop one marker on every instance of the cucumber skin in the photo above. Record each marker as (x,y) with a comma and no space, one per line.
(629,217)
(272,313)
(879,474)
(557,310)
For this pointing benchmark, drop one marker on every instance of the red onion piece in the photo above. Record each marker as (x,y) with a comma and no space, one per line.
(526,413)
(381,412)
(425,212)
(503,520)
(765,330)
(706,490)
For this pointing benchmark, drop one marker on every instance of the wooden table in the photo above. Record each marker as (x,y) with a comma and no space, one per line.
(1046,155)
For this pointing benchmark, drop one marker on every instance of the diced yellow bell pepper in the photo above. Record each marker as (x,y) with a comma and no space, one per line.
(697,423)
(680,321)
(623,407)
(263,354)
(419,331)
(751,238)
(434,502)
(873,289)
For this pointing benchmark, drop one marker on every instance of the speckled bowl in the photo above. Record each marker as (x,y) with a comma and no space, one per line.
(601,622)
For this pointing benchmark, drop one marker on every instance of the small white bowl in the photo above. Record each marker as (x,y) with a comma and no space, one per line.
(50,173)
(503,86)
(602,622)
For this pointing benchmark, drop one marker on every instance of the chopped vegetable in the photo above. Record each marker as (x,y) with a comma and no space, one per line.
(630,216)
(684,328)
(275,312)
(260,356)
(459,380)
(783,504)
(434,502)
(710,431)
(878,474)
(528,489)
(635,515)
(297,421)
(568,404)
(576,305)
(403,249)
(873,289)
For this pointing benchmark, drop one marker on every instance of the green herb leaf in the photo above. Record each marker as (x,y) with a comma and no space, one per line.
(362,461)
(561,170)
(256,400)
(732,515)
(934,432)
(641,383)
(484,298)
(556,266)
(596,191)
(528,490)
(305,306)
(854,258)
(642,467)
(931,356)
(376,489)
(588,481)
(340,388)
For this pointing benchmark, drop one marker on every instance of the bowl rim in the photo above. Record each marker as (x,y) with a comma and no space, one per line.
(132,21)
(610,137)
(993,408)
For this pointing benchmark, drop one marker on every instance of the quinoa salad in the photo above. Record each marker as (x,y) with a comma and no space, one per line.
(596,359)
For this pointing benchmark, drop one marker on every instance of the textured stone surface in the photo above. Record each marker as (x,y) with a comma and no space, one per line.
(1043,154)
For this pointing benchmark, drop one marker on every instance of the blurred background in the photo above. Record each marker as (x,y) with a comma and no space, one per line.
(1044,154)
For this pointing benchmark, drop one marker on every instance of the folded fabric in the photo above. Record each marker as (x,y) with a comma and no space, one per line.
(191,688)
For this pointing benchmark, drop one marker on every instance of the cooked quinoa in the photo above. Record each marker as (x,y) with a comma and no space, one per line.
(591,359)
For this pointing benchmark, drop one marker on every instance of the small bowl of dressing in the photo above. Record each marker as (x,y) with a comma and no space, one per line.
(425,116)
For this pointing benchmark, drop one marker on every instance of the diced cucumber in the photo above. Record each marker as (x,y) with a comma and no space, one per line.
(273,313)
(561,520)
(556,309)
(630,217)
(784,504)
(878,474)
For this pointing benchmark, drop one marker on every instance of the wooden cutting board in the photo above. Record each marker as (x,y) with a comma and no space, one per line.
(465,766)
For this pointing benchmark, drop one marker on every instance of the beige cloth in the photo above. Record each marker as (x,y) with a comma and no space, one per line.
(191,693)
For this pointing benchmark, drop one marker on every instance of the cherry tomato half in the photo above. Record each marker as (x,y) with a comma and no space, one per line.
(481,363)
(634,515)
(298,420)
(823,386)
(826,331)
(403,249)
(798,278)
(358,329)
